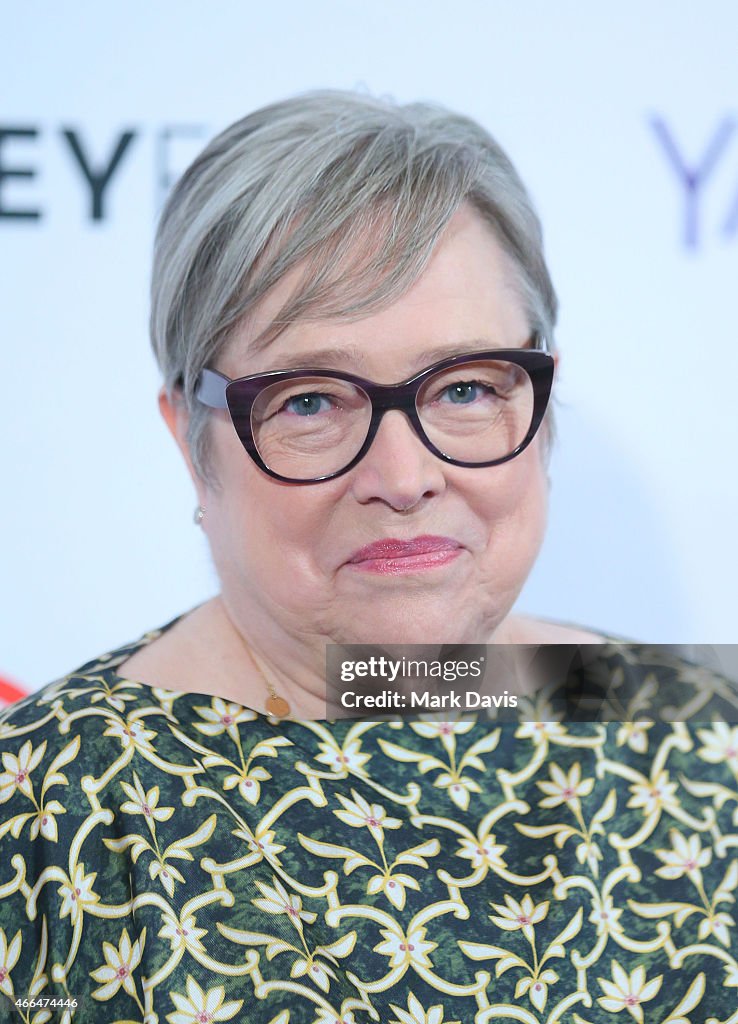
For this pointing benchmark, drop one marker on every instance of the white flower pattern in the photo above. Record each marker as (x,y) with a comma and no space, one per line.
(196,862)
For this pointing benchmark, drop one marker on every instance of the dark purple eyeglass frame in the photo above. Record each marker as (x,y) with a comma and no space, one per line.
(217,391)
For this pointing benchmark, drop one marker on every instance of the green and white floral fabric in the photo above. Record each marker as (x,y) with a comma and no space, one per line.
(172,857)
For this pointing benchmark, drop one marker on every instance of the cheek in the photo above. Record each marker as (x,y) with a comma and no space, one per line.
(515,507)
(256,523)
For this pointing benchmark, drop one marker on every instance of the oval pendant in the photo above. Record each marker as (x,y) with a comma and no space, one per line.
(278,707)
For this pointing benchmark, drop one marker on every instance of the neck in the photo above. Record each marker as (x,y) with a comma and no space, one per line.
(295,669)
(294,665)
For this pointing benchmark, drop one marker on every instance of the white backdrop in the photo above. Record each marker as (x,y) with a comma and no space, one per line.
(622,120)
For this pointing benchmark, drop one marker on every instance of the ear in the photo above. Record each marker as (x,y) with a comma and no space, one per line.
(175,415)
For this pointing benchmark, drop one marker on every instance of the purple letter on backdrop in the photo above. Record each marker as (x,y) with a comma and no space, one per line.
(693,179)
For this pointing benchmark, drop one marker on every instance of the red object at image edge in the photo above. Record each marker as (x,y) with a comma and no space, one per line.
(10,692)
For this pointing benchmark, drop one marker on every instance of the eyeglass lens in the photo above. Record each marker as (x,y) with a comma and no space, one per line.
(315,426)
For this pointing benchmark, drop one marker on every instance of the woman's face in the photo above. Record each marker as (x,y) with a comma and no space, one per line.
(284,551)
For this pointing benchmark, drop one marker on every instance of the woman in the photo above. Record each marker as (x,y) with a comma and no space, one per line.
(354,321)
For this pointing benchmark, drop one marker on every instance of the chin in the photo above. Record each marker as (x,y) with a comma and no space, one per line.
(417,622)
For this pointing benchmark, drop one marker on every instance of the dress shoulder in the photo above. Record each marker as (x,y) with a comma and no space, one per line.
(94,680)
(655,681)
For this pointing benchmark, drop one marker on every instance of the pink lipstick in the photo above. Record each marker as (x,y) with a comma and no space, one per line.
(394,557)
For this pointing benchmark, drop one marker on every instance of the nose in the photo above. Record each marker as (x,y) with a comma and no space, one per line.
(398,469)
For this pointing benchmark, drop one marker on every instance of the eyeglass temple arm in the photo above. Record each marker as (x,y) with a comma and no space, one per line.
(210,389)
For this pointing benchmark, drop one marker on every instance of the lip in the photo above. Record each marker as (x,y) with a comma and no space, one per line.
(394,556)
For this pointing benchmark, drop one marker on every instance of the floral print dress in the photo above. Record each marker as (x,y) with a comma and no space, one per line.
(175,857)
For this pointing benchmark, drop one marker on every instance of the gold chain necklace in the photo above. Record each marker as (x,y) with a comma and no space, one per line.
(276,706)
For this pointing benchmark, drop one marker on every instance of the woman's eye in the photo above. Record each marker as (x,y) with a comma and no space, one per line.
(307,404)
(466,391)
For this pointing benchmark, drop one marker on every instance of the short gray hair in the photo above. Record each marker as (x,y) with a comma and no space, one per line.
(358,188)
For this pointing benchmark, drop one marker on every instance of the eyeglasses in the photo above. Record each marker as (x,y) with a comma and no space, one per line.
(308,425)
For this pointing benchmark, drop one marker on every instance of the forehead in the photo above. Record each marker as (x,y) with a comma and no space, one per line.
(467,299)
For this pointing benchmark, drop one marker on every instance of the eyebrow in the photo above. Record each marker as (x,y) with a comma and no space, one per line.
(334,357)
